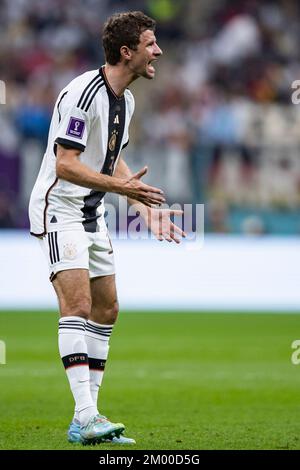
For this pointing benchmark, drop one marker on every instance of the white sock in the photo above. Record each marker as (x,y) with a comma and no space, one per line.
(97,341)
(73,351)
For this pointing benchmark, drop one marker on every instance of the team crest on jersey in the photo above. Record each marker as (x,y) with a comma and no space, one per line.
(112,141)
(70,251)
(75,127)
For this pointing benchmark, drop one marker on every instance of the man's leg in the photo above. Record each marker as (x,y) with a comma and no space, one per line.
(104,312)
(73,291)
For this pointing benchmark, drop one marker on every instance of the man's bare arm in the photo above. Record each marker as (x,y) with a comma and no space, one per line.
(70,168)
(123,171)
(157,220)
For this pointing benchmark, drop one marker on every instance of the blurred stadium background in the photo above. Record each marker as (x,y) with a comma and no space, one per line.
(218,117)
(217,127)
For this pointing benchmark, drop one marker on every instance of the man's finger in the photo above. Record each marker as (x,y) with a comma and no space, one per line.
(140,173)
(171,212)
(148,201)
(176,240)
(151,189)
(153,196)
(178,230)
(167,237)
(175,211)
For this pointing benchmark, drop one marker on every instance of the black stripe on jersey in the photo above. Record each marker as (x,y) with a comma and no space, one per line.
(116,124)
(125,145)
(69,144)
(89,99)
(88,89)
(58,105)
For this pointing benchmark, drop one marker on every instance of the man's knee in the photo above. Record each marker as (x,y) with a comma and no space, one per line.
(114,311)
(77,308)
(106,315)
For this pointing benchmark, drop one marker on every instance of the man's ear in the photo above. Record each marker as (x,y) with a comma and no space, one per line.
(126,53)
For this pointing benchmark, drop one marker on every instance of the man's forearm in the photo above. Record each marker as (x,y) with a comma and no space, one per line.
(81,175)
(123,171)
(70,168)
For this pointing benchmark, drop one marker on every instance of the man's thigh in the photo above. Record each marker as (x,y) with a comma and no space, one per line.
(73,291)
(73,258)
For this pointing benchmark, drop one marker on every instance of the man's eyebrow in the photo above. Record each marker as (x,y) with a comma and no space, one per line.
(151,41)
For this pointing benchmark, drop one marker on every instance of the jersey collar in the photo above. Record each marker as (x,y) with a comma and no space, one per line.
(108,87)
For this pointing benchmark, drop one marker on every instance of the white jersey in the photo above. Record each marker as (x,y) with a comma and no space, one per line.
(88,116)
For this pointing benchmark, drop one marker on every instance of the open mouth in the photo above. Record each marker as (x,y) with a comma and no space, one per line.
(150,66)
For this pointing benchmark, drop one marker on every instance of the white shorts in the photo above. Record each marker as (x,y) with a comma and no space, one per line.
(77,249)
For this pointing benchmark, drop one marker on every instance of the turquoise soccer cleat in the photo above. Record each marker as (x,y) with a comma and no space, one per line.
(74,433)
(98,428)
(74,436)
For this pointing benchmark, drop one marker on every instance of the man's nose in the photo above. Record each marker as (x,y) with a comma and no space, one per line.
(158,50)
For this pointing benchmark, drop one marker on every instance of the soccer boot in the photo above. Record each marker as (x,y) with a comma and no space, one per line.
(74,436)
(74,433)
(120,440)
(99,428)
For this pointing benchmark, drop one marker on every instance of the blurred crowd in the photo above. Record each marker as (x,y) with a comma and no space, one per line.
(217,125)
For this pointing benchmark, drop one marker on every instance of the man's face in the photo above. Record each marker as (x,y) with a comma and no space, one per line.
(146,53)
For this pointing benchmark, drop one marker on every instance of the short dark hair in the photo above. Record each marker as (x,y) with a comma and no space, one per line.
(124,29)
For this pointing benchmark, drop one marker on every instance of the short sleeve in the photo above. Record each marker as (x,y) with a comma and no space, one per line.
(73,128)
(130,110)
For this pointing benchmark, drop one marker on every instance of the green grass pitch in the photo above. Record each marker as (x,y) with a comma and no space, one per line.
(177,380)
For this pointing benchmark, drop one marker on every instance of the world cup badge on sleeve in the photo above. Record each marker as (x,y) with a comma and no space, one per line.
(76,127)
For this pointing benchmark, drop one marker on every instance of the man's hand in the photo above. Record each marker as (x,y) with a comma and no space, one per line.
(70,168)
(160,224)
(135,189)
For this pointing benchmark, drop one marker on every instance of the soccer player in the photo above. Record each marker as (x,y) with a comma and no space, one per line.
(89,128)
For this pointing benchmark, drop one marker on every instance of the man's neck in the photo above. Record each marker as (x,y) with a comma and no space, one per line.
(118,77)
